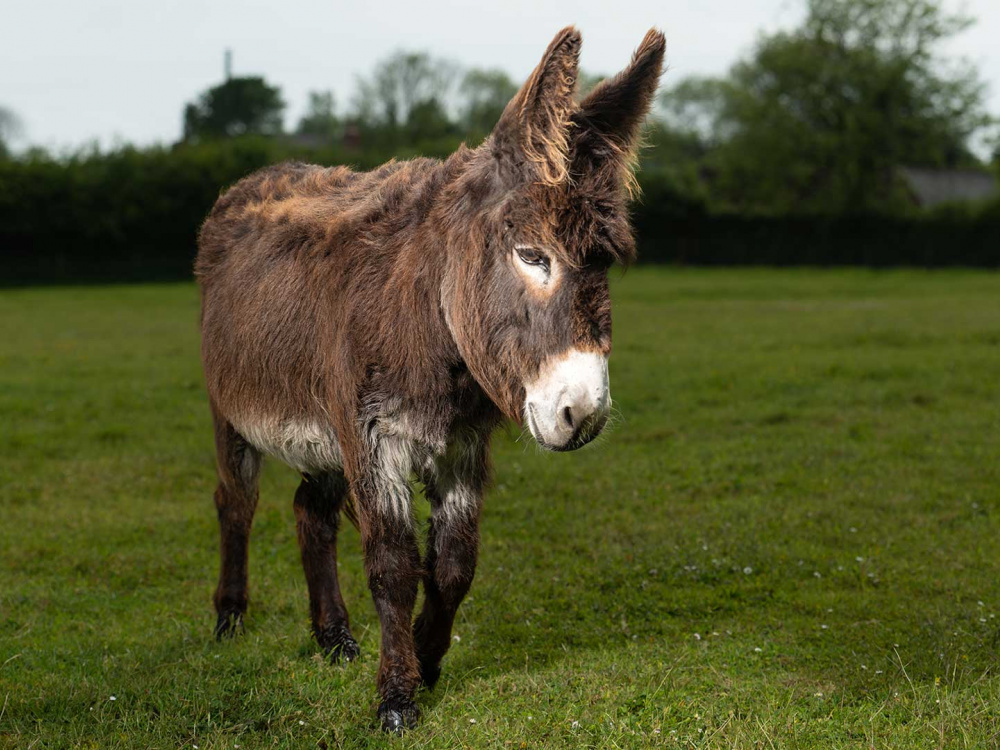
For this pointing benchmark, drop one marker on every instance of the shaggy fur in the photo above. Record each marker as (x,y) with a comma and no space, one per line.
(366,327)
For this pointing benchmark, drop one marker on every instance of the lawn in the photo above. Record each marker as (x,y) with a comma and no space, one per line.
(790,538)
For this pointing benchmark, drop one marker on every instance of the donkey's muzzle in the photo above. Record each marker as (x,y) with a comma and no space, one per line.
(568,404)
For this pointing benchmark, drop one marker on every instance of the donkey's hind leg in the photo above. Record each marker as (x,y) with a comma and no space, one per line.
(235,502)
(318,501)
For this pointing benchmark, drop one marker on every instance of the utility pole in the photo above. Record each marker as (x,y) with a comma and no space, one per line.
(228,64)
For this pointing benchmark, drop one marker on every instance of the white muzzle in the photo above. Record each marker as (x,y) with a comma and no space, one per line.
(568,404)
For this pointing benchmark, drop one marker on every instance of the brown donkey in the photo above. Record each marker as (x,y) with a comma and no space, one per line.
(367,327)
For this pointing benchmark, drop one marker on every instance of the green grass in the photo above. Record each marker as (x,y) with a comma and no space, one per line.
(790,539)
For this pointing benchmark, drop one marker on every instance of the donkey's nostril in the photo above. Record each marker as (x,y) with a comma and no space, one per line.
(568,416)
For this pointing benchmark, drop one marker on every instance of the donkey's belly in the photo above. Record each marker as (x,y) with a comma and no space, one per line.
(303,445)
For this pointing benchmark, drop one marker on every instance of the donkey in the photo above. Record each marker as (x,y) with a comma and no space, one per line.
(366,327)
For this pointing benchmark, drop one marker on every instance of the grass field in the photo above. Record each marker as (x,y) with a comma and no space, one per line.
(790,539)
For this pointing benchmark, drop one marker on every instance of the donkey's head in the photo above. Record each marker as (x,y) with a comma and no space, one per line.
(541,216)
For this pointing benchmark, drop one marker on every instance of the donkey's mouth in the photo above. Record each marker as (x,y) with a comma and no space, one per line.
(588,429)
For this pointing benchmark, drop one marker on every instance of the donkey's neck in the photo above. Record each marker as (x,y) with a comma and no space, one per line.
(399,279)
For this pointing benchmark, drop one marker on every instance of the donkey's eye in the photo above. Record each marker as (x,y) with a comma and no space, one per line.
(533,257)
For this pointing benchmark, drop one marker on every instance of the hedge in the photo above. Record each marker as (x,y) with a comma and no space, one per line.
(133,215)
(873,241)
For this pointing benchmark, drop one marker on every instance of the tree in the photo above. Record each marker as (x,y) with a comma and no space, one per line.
(406,97)
(586,82)
(320,118)
(10,128)
(428,120)
(239,106)
(484,94)
(819,118)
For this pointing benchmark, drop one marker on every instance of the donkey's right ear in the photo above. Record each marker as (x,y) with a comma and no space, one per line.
(533,132)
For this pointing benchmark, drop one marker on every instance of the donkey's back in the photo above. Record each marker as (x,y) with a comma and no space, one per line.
(293,209)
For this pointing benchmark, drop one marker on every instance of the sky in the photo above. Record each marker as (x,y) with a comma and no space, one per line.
(80,71)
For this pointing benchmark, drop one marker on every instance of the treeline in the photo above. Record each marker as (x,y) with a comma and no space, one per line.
(794,157)
(133,214)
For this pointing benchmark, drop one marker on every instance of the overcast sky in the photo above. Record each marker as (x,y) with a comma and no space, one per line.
(80,70)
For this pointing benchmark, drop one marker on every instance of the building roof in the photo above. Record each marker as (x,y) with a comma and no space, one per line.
(931,187)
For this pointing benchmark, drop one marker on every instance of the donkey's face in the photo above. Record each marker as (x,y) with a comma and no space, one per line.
(557,314)
(530,305)
(567,401)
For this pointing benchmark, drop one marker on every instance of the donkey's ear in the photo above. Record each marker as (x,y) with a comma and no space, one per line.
(533,131)
(617,106)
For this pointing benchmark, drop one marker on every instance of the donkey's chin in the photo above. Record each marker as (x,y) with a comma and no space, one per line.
(561,441)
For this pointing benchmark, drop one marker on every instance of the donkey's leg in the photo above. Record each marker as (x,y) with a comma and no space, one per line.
(450,560)
(452,549)
(392,563)
(235,503)
(318,501)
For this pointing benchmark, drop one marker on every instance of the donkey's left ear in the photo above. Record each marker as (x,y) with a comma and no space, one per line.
(617,106)
(533,132)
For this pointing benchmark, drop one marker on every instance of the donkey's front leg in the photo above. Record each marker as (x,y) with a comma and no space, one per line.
(392,562)
(455,493)
(452,548)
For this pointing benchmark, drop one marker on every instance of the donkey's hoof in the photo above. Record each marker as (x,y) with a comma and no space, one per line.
(228,625)
(337,644)
(344,652)
(398,715)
